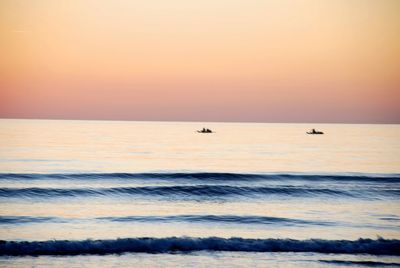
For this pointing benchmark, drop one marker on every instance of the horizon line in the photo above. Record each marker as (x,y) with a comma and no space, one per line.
(198,121)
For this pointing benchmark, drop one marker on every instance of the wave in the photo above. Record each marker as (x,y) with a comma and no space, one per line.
(209,176)
(228,219)
(195,219)
(26,219)
(361,263)
(217,219)
(186,244)
(193,191)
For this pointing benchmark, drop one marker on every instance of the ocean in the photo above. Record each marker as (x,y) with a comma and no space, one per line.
(159,194)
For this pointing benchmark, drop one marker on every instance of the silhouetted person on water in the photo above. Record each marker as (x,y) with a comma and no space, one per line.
(313,131)
(205,130)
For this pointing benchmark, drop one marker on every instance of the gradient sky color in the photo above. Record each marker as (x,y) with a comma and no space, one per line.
(209,60)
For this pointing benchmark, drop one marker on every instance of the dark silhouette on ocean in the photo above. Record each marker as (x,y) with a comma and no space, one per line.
(313,131)
(205,130)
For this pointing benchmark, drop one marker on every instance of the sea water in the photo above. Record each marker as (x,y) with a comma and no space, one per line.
(160,194)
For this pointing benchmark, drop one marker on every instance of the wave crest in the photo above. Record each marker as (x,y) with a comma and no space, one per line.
(181,191)
(186,244)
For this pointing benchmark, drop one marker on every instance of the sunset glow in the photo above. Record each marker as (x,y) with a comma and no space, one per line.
(226,60)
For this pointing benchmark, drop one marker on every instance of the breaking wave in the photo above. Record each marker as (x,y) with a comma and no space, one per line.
(186,244)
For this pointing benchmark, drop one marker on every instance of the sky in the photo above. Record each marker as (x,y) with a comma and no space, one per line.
(210,60)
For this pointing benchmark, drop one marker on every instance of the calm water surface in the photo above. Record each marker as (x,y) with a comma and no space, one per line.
(164,188)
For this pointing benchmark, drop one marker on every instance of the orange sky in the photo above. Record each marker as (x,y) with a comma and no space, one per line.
(209,60)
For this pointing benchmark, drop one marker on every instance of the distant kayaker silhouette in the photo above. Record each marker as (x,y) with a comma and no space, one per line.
(313,131)
(205,130)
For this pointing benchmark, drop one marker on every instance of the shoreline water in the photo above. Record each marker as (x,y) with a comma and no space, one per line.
(121,188)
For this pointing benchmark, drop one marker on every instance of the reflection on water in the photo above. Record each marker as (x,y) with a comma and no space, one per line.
(207,259)
(78,180)
(47,146)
